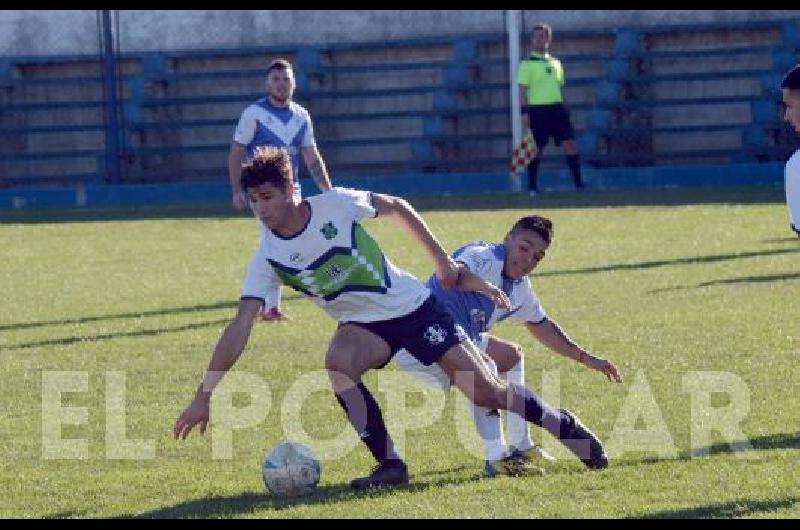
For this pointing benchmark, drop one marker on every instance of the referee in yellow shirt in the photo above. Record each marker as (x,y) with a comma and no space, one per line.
(540,78)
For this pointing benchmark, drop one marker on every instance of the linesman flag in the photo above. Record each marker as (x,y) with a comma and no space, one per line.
(524,153)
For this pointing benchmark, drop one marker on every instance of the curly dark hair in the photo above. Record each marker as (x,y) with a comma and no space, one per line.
(269,164)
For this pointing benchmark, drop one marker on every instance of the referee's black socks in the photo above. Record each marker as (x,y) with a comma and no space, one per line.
(574,163)
(533,172)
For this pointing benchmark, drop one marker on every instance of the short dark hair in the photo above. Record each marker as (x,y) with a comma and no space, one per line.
(536,223)
(792,78)
(544,27)
(269,164)
(279,64)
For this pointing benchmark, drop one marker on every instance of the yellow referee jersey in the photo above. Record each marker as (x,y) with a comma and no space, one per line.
(543,76)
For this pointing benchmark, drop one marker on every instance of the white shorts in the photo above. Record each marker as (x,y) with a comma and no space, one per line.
(432,375)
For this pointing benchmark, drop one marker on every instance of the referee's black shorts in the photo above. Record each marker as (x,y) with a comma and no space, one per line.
(550,120)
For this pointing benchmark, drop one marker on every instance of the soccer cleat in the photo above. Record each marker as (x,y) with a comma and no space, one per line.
(576,441)
(511,467)
(534,453)
(273,314)
(388,473)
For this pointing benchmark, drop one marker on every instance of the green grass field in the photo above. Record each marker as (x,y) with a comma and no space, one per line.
(665,283)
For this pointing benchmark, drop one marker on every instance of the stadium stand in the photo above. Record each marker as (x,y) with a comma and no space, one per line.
(655,96)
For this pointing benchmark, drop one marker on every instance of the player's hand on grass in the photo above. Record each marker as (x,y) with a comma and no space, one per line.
(197,412)
(604,366)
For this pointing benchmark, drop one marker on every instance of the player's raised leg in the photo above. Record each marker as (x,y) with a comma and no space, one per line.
(353,351)
(462,364)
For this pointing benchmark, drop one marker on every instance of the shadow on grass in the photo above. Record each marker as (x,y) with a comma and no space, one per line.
(692,260)
(136,314)
(767,442)
(732,281)
(248,502)
(782,240)
(474,201)
(105,336)
(66,515)
(725,510)
(762,443)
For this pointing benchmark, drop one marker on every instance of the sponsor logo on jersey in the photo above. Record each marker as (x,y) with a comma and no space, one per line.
(328,230)
(435,334)
(295,257)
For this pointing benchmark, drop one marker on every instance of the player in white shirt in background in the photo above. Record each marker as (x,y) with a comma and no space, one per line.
(790,87)
(505,265)
(277,121)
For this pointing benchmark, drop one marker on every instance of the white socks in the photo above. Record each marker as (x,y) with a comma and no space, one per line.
(519,434)
(490,428)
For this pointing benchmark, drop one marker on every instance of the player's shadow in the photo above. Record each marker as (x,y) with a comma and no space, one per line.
(691,260)
(732,281)
(767,442)
(726,510)
(71,514)
(782,240)
(134,314)
(63,341)
(248,502)
(216,210)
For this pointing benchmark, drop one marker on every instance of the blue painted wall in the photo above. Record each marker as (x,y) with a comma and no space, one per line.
(410,184)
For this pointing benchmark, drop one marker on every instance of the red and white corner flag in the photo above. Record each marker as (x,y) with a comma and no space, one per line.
(524,153)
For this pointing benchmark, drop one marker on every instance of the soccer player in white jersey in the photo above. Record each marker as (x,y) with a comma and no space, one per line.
(505,265)
(319,248)
(278,121)
(790,86)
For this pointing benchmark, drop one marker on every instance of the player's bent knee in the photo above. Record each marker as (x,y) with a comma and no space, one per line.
(489,395)
(515,355)
(337,363)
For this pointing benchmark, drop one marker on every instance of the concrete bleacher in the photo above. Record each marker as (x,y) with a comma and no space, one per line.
(656,96)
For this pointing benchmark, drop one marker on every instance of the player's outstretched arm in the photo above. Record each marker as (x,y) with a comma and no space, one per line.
(446,269)
(551,335)
(226,353)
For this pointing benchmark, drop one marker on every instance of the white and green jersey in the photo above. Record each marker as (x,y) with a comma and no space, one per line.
(336,262)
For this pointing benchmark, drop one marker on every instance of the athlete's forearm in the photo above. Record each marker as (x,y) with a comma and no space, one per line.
(235,159)
(320,174)
(227,351)
(468,281)
(316,166)
(551,335)
(415,225)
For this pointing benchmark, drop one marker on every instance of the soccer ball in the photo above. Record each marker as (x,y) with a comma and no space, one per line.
(290,470)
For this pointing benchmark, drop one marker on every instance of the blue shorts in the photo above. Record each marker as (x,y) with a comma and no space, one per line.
(427,332)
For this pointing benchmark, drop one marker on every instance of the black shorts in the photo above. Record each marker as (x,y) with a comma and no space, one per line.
(427,332)
(550,120)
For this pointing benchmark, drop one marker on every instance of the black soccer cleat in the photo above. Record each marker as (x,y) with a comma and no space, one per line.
(387,473)
(584,444)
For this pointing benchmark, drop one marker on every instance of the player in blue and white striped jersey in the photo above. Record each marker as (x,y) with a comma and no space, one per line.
(277,121)
(505,265)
